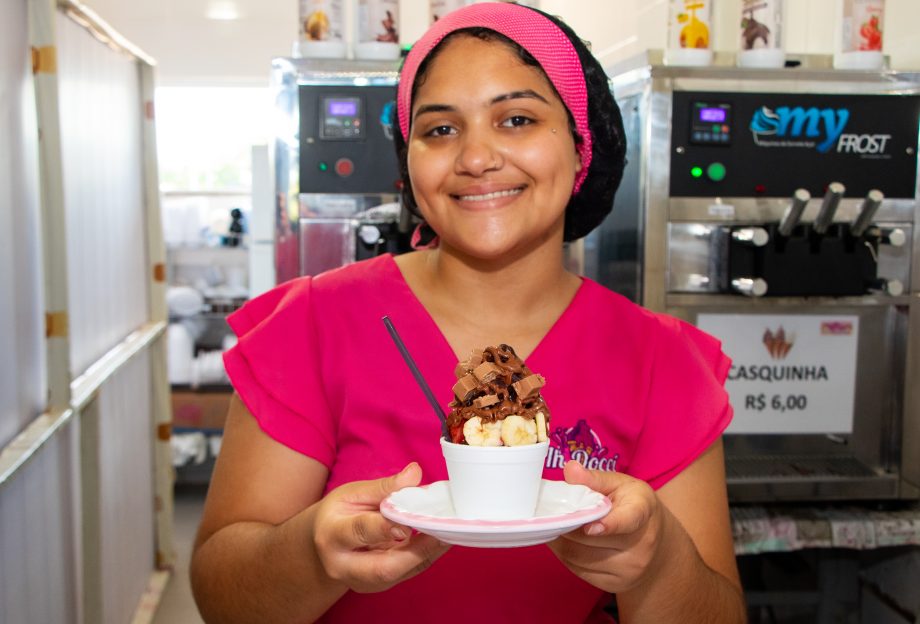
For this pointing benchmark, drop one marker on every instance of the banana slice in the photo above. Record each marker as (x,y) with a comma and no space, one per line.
(518,431)
(540,419)
(479,433)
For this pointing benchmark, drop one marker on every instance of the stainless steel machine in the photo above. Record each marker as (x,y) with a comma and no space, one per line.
(777,210)
(336,176)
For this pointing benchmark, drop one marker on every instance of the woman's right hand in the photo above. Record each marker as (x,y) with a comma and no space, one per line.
(360,548)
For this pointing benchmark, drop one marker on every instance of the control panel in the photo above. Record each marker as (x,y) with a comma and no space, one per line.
(346,139)
(342,118)
(772,144)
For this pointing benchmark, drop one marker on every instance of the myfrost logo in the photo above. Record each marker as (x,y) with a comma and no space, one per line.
(786,126)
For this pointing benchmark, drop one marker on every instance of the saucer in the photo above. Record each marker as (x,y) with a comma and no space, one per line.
(561,508)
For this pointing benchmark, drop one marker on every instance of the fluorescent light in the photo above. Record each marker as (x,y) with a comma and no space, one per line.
(223,10)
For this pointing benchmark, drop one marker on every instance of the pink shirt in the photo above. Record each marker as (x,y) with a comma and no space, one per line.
(628,390)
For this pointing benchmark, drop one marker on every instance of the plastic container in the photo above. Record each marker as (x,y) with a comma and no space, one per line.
(860,27)
(761,34)
(322,29)
(377,30)
(689,33)
(494,482)
(439,8)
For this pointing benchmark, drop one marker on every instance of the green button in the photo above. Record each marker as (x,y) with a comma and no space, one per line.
(716,172)
(322,166)
(696,172)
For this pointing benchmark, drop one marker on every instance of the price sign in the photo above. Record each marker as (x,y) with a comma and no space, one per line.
(790,373)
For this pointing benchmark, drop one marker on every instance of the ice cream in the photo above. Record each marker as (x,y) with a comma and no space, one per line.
(497,401)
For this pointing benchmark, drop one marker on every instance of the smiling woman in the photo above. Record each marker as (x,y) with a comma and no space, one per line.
(510,144)
(490,169)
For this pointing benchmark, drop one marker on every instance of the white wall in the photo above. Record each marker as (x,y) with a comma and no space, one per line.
(619,29)
(191,49)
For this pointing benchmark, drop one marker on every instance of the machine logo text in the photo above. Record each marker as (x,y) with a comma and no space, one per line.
(785,126)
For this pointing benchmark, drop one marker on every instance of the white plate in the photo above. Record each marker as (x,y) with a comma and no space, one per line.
(561,508)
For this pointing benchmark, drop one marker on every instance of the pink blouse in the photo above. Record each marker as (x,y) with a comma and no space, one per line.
(628,390)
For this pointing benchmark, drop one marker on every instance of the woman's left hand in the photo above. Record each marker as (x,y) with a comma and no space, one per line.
(621,550)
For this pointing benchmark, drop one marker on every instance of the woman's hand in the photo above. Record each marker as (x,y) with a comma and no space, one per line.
(621,550)
(360,548)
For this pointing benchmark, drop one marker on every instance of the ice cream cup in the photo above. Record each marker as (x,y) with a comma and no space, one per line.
(494,482)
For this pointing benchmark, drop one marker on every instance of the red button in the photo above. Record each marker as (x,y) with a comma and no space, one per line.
(344,167)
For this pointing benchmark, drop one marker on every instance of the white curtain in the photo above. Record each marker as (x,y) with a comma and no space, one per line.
(101,113)
(23,383)
(126,489)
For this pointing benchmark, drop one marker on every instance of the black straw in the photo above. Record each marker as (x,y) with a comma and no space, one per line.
(418,376)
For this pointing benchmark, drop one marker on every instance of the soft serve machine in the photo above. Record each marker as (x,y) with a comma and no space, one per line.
(776,209)
(336,177)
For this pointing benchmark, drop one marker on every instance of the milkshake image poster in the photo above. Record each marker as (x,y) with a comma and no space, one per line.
(690,24)
(862,25)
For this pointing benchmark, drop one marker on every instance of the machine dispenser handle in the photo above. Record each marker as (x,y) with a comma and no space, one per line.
(893,287)
(750,287)
(870,204)
(793,214)
(756,236)
(832,197)
(896,237)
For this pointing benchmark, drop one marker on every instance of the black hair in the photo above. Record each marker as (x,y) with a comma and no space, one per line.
(594,200)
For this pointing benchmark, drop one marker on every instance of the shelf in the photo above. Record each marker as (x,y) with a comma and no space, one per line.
(208,256)
(204,388)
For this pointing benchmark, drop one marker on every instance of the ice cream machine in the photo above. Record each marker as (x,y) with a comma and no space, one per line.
(336,176)
(777,210)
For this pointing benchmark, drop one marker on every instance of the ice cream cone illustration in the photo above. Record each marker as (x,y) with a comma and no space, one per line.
(778,344)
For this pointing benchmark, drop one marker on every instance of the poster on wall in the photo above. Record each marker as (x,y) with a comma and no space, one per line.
(789,373)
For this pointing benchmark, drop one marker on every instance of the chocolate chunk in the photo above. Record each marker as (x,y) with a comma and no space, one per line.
(486,372)
(486,401)
(493,383)
(528,386)
(464,386)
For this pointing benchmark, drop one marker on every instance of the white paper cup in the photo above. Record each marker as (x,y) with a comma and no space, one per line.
(494,482)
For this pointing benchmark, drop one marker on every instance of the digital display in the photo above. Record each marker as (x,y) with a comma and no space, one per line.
(713,115)
(342,118)
(711,123)
(342,108)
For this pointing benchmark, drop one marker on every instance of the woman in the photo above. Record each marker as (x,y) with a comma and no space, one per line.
(510,144)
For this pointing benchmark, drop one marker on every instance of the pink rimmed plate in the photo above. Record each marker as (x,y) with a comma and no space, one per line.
(561,508)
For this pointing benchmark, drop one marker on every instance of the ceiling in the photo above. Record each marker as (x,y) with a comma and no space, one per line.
(191,48)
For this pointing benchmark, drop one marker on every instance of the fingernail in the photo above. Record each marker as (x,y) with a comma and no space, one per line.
(398,534)
(406,469)
(594,529)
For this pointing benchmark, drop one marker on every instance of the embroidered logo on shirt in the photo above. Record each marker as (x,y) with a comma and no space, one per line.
(583,445)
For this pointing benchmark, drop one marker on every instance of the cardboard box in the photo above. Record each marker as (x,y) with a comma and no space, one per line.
(200,409)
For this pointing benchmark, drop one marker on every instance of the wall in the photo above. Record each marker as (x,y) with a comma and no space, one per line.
(619,29)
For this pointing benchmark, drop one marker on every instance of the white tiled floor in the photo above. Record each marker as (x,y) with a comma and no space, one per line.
(177,605)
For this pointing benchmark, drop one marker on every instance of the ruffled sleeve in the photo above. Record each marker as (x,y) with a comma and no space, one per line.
(687,405)
(275,368)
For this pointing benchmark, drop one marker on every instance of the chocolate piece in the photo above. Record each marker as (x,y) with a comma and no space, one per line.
(467,365)
(486,372)
(486,401)
(464,386)
(494,383)
(529,386)
(475,358)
